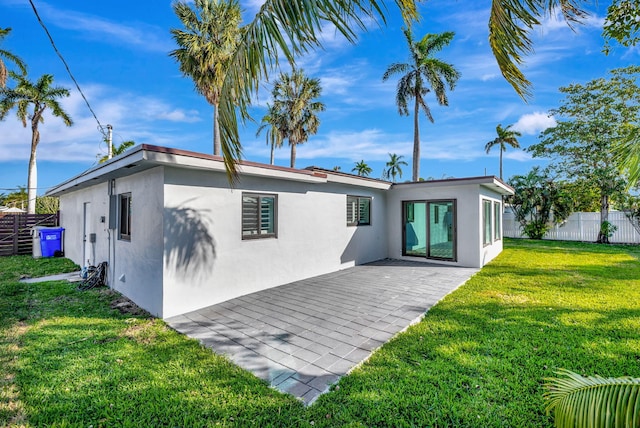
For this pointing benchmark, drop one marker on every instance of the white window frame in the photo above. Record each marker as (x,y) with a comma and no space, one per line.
(487,239)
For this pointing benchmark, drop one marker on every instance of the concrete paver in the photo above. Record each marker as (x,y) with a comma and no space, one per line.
(303,336)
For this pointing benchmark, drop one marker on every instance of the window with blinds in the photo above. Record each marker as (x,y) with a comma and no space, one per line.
(358,211)
(259,216)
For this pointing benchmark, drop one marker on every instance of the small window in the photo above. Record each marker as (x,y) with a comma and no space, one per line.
(358,211)
(486,221)
(259,216)
(124,228)
(497,225)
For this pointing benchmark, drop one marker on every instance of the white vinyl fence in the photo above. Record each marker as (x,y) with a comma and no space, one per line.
(580,227)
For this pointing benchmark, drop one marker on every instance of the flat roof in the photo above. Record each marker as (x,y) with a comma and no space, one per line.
(145,156)
(489,181)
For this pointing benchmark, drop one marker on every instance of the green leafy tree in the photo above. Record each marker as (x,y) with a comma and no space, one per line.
(206,46)
(593,401)
(538,202)
(16,199)
(591,121)
(270,122)
(265,39)
(6,55)
(506,136)
(422,74)
(393,167)
(118,150)
(362,169)
(31,100)
(337,168)
(585,197)
(295,108)
(622,23)
(47,205)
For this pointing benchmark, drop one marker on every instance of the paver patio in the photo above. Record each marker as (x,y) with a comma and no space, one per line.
(303,336)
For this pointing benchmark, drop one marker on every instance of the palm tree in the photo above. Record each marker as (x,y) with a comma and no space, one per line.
(205,48)
(393,167)
(265,39)
(594,401)
(423,71)
(296,108)
(274,136)
(40,96)
(4,73)
(337,168)
(123,147)
(362,169)
(505,136)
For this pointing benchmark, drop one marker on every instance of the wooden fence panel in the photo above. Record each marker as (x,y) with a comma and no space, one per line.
(580,227)
(15,231)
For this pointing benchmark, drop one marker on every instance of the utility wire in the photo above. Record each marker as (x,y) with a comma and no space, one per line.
(33,6)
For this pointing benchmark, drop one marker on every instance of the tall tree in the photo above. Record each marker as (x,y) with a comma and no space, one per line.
(622,23)
(123,147)
(362,169)
(591,121)
(6,55)
(206,46)
(271,120)
(295,105)
(538,202)
(422,74)
(265,39)
(393,167)
(505,136)
(31,100)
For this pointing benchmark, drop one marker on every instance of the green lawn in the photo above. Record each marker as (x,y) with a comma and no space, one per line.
(478,359)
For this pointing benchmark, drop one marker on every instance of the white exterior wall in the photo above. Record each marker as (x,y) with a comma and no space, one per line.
(491,251)
(469,249)
(136,269)
(72,206)
(313,237)
(137,266)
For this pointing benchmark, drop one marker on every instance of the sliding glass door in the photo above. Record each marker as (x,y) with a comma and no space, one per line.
(429,229)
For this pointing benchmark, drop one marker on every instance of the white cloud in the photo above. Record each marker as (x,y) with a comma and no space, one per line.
(139,35)
(179,115)
(140,118)
(518,155)
(489,76)
(534,123)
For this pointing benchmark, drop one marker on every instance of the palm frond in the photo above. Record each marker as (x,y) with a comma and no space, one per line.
(627,154)
(593,401)
(510,23)
(288,28)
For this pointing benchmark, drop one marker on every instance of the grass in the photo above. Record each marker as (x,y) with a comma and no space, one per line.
(478,359)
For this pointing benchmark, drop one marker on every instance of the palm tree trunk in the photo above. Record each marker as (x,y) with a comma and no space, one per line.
(216,132)
(272,152)
(293,153)
(500,163)
(32,180)
(416,141)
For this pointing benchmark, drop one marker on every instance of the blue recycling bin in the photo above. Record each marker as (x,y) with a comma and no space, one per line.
(51,240)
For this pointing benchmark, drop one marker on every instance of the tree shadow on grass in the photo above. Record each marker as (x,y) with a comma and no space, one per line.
(483,365)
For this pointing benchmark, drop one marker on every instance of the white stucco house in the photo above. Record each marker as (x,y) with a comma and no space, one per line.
(177,237)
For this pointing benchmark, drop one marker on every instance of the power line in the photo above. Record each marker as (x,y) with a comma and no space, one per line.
(33,6)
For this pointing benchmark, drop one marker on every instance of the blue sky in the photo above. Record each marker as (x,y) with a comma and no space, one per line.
(118,52)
